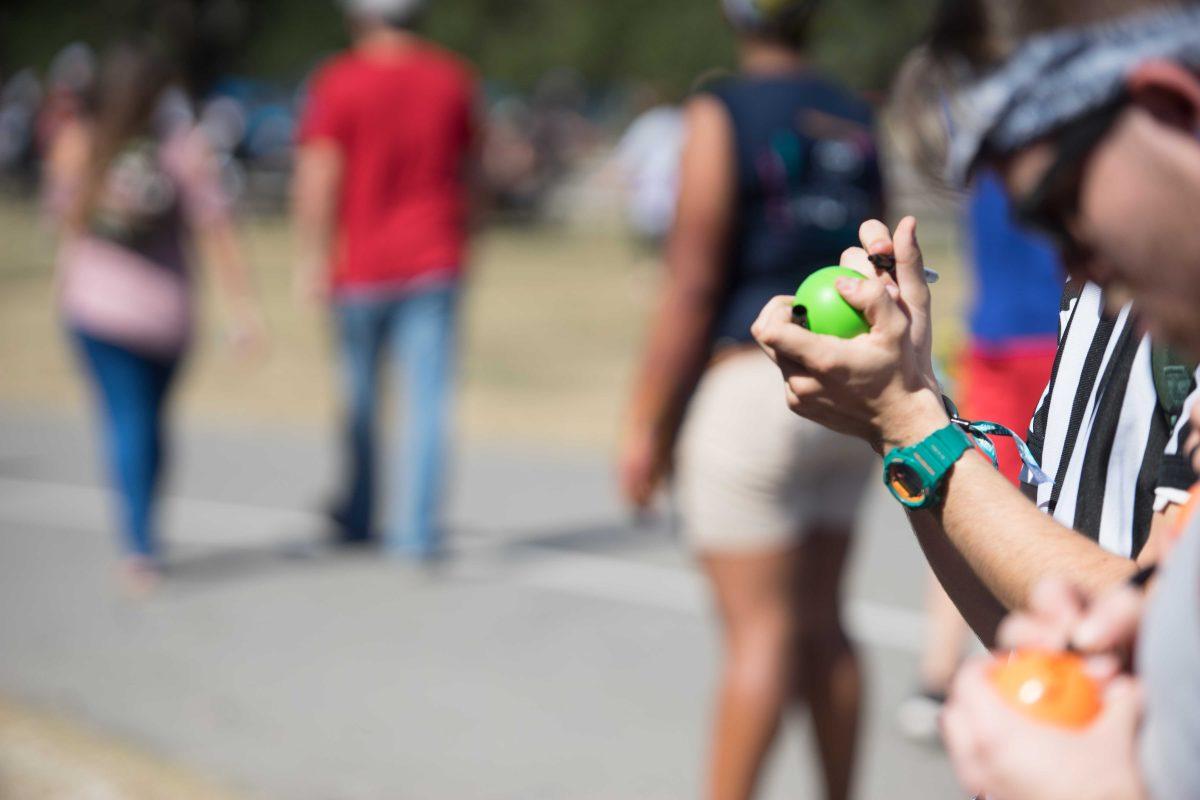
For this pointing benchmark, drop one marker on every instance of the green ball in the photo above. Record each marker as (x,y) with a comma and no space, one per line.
(820,308)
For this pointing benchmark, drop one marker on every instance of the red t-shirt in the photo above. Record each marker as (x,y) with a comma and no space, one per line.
(404,127)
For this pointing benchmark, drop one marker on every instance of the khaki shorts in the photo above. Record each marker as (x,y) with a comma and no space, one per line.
(752,475)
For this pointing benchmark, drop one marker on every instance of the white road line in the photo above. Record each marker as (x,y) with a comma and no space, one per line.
(196,521)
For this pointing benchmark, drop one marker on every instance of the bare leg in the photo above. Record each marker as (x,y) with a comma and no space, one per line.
(755,599)
(830,678)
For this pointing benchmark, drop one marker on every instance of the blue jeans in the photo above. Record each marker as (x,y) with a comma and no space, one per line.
(416,334)
(131,394)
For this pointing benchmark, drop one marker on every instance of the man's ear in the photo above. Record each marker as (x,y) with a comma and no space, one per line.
(1169,91)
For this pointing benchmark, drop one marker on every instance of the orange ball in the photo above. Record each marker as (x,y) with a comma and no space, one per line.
(1049,687)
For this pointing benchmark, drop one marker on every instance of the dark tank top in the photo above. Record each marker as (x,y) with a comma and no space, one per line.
(807,176)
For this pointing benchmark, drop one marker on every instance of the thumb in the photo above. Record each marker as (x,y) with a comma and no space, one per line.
(873,298)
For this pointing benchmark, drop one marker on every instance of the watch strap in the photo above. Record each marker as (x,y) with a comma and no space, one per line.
(937,452)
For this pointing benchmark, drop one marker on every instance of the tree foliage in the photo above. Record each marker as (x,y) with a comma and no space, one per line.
(514,42)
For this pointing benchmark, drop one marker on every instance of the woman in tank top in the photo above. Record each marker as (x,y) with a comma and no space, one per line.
(134,191)
(778,170)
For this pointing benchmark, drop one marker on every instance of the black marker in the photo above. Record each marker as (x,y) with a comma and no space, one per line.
(887,263)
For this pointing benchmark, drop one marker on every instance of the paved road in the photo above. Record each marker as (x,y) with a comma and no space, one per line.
(562,655)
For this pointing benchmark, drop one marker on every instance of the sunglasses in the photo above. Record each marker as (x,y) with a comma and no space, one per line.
(1049,207)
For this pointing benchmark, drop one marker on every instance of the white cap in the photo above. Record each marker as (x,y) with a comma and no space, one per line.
(385,9)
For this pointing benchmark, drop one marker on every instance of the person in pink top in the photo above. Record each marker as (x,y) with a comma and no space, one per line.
(133,195)
(381,208)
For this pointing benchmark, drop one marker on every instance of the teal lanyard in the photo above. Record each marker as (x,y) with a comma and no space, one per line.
(983,431)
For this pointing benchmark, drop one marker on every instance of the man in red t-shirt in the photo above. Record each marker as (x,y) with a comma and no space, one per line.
(381,207)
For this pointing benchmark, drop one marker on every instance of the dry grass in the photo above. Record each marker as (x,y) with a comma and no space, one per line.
(553,322)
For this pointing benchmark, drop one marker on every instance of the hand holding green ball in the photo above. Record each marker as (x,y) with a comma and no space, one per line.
(822,309)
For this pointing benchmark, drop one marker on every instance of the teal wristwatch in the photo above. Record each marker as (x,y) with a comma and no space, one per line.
(914,474)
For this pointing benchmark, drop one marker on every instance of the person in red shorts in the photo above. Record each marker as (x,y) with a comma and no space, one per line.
(381,208)
(1013,338)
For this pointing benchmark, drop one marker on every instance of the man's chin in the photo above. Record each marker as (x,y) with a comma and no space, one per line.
(1182,335)
(1191,346)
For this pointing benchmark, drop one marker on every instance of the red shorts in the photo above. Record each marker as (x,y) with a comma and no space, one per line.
(1004,386)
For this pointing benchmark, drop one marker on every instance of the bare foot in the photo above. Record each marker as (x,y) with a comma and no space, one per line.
(140,576)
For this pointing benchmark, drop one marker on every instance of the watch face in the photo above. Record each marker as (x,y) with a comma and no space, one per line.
(905,482)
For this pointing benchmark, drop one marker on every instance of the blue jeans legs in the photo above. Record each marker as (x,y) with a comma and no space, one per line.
(131,393)
(414,335)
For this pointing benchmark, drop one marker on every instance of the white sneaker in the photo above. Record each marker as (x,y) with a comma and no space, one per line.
(919,716)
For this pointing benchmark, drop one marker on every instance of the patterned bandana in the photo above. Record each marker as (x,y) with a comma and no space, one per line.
(767,15)
(1054,78)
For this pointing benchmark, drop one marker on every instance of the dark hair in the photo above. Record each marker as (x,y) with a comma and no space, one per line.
(409,21)
(789,24)
(131,81)
(967,39)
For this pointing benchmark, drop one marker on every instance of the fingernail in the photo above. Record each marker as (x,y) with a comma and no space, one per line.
(845,285)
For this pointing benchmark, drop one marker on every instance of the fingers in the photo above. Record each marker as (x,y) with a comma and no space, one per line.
(1058,602)
(1112,622)
(775,314)
(910,264)
(855,258)
(801,391)
(638,488)
(1055,608)
(972,715)
(963,749)
(876,238)
(877,300)
(1103,668)
(1027,632)
(783,340)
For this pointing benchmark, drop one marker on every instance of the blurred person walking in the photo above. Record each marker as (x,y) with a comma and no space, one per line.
(381,211)
(1013,326)
(133,194)
(778,167)
(647,157)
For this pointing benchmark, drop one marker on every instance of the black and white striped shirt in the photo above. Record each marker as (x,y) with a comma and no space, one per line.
(1099,431)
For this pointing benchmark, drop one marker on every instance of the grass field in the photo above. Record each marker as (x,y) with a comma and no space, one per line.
(554,317)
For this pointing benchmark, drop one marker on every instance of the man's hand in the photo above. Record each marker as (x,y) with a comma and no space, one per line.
(909,278)
(878,386)
(1061,617)
(999,753)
